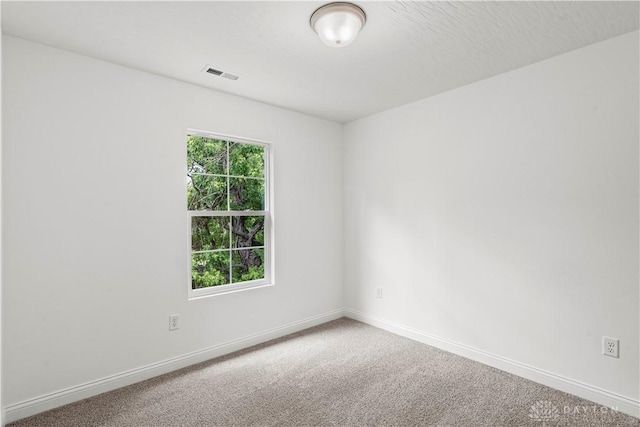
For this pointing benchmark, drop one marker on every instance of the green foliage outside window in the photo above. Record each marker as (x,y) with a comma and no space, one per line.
(225,176)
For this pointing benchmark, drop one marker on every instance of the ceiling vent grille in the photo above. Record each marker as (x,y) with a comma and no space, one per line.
(216,72)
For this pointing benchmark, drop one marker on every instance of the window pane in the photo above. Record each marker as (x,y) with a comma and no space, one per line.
(248,264)
(247,231)
(209,233)
(207,193)
(209,269)
(246,159)
(206,155)
(225,176)
(246,194)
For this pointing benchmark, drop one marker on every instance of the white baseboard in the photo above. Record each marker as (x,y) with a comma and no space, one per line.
(603,397)
(49,401)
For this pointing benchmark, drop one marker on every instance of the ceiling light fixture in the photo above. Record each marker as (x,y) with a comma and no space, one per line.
(338,24)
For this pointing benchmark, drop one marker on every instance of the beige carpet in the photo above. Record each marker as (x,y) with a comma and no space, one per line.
(342,373)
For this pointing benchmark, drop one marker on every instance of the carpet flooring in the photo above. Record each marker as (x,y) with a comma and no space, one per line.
(341,373)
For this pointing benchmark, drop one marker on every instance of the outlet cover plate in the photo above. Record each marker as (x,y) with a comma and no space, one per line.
(611,347)
(174,322)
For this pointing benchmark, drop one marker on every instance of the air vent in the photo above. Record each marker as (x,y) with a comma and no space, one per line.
(216,72)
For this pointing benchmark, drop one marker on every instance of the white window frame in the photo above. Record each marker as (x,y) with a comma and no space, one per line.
(268,223)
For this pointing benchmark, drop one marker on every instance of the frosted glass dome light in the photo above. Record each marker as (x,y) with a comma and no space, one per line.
(338,24)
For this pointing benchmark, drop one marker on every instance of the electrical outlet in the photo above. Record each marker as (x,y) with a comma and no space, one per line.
(378,292)
(610,347)
(173,322)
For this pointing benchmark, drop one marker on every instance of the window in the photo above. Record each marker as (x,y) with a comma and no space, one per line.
(228,213)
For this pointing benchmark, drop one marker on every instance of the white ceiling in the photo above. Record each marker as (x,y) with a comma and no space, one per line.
(406,51)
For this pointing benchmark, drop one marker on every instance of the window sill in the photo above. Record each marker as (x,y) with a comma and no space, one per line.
(195,294)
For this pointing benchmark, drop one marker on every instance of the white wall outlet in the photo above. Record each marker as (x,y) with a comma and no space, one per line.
(173,322)
(610,347)
(378,292)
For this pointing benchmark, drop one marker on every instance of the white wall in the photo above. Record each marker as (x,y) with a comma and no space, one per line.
(503,216)
(1,381)
(95,241)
